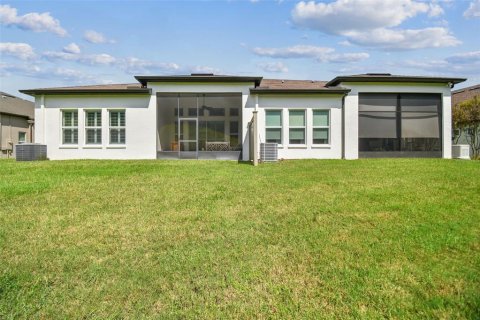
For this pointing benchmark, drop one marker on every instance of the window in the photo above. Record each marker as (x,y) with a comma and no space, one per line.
(219,112)
(117,127)
(70,127)
(233,112)
(22,137)
(93,127)
(176,112)
(321,126)
(296,120)
(273,126)
(192,112)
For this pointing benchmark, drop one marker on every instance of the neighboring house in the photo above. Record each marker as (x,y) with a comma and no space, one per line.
(206,116)
(16,123)
(459,96)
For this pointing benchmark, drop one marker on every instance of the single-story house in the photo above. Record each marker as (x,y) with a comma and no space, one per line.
(207,116)
(16,123)
(459,96)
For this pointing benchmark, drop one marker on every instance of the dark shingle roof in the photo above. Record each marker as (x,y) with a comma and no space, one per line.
(16,106)
(467,93)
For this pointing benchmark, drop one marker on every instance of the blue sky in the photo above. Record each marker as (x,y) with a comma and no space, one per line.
(64,43)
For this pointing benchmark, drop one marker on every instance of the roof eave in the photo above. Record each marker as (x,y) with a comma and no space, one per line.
(33,92)
(298,91)
(338,80)
(145,79)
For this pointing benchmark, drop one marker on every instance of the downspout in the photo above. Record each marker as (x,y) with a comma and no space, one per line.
(30,122)
(343,126)
(1,141)
(44,121)
(255,132)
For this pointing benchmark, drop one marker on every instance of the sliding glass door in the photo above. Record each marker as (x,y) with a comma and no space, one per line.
(400,125)
(199,125)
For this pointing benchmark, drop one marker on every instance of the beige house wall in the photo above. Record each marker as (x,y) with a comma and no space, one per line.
(10,127)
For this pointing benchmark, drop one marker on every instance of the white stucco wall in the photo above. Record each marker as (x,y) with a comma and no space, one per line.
(140,111)
(309,102)
(351,110)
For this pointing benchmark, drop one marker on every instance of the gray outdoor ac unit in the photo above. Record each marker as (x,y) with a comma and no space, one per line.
(268,152)
(461,151)
(30,152)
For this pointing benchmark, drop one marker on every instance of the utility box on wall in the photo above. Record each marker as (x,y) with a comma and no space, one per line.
(30,152)
(461,151)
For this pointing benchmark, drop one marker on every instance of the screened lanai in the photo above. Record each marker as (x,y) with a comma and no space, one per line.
(199,126)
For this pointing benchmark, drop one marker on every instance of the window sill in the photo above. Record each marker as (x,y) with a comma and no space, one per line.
(300,146)
(93,147)
(120,146)
(66,146)
(321,146)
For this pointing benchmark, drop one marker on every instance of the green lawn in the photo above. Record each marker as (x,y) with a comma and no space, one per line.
(210,239)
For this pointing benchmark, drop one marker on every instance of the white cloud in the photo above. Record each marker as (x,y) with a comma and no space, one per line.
(37,22)
(299,51)
(434,10)
(55,55)
(134,65)
(72,48)
(91,59)
(473,10)
(345,43)
(346,57)
(98,59)
(202,69)
(320,54)
(374,23)
(19,50)
(96,37)
(458,65)
(71,75)
(404,39)
(465,57)
(361,15)
(35,71)
(273,67)
(130,65)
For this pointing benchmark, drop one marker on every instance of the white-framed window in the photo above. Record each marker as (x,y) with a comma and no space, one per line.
(93,127)
(273,126)
(22,137)
(117,126)
(321,127)
(70,126)
(297,126)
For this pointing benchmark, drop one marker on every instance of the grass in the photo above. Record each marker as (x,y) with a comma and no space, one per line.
(209,239)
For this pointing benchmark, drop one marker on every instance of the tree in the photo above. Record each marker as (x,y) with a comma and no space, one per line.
(466,118)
